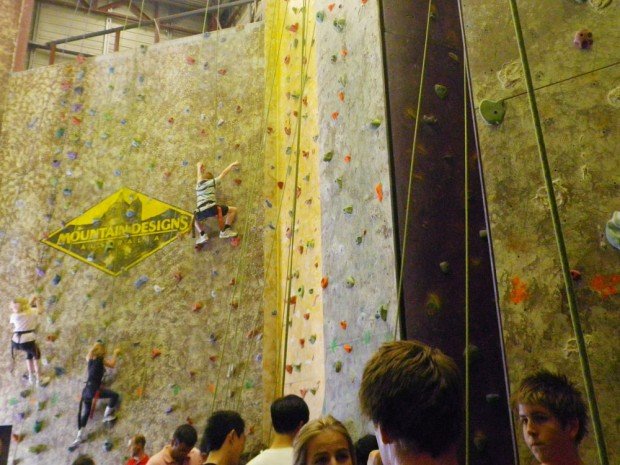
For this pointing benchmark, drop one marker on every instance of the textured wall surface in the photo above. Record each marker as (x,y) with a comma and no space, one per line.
(292,187)
(75,135)
(580,120)
(359,303)
(9,20)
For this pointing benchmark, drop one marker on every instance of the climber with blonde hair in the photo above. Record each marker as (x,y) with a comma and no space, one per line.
(97,363)
(25,319)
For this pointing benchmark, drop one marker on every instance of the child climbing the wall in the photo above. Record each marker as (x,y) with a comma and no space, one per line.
(97,363)
(206,203)
(25,319)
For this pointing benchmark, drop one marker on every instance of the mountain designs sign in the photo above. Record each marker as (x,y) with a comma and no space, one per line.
(121,231)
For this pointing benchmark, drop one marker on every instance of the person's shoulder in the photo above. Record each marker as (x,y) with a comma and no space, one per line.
(158,458)
(280,456)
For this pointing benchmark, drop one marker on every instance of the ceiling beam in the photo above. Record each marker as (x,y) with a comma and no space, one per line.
(152,21)
(108,14)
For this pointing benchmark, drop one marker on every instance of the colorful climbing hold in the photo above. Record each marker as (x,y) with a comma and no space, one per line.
(441,91)
(328,156)
(379,191)
(583,39)
(347,348)
(492,112)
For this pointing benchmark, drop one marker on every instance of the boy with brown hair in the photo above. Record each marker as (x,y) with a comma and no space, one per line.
(412,394)
(553,417)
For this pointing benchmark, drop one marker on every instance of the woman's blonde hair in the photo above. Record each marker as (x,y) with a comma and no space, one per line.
(96,351)
(22,302)
(311,430)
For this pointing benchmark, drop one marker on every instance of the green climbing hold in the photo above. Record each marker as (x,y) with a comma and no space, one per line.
(492,112)
(441,91)
(350,281)
(38,426)
(59,133)
(338,366)
(25,393)
(176,389)
(328,156)
(375,123)
(99,184)
(383,311)
(320,16)
(482,234)
(37,449)
(444,267)
(348,210)
(249,384)
(339,24)
(312,338)
(359,240)
(339,182)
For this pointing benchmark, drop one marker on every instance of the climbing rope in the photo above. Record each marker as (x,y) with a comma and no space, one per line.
(289,271)
(559,239)
(410,186)
(466,205)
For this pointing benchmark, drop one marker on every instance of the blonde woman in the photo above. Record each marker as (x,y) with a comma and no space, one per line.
(324,441)
(25,319)
(97,363)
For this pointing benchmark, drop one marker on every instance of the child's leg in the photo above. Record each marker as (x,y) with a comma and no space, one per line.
(199,227)
(230,216)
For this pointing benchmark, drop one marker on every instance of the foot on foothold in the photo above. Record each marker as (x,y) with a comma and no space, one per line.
(75,444)
(228,233)
(108,418)
(43,381)
(202,239)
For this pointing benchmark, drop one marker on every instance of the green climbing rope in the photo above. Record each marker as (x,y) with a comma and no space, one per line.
(409,188)
(466,204)
(559,238)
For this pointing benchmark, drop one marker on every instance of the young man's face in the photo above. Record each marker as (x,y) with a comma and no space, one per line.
(548,440)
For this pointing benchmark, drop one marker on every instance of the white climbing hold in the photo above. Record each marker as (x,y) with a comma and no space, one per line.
(613,97)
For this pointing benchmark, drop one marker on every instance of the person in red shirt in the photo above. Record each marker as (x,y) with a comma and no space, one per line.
(136,446)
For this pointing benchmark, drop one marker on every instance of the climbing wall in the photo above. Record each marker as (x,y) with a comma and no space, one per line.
(294,202)
(8,32)
(359,299)
(577,92)
(189,324)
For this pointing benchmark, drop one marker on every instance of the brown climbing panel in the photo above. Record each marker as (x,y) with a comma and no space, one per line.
(433,298)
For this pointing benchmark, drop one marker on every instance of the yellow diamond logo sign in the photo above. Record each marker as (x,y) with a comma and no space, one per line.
(121,231)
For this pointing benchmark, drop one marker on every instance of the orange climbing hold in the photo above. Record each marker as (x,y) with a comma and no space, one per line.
(347,158)
(518,293)
(341,96)
(197,306)
(335,115)
(605,285)
(324,282)
(343,324)
(211,388)
(155,353)
(331,6)
(289,369)
(347,348)
(379,190)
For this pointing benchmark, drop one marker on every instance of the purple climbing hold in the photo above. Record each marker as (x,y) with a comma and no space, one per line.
(72,155)
(141,281)
(40,272)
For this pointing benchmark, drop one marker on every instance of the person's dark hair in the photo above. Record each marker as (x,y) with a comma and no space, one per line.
(556,393)
(364,446)
(139,439)
(186,434)
(289,413)
(414,393)
(218,426)
(83,460)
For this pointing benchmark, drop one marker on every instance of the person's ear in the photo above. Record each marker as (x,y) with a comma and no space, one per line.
(231,436)
(573,428)
(382,435)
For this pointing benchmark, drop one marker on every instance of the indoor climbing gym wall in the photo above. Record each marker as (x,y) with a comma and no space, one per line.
(359,269)
(572,51)
(330,189)
(293,202)
(99,171)
(8,31)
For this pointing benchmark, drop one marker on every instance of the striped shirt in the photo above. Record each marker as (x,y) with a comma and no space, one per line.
(205,194)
